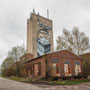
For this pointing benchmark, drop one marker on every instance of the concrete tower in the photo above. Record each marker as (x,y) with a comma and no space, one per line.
(39,35)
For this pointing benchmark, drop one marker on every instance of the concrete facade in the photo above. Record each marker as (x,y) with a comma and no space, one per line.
(33,28)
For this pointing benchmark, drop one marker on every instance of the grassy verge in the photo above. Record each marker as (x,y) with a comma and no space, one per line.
(20,79)
(27,80)
(69,82)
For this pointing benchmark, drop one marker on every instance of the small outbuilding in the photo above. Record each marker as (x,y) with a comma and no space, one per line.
(56,64)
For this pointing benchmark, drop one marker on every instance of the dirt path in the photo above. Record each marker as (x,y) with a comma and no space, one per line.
(6,84)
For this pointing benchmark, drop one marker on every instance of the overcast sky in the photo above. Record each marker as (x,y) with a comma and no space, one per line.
(64,13)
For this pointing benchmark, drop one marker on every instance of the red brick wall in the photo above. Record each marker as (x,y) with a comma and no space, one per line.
(39,60)
(62,56)
(26,56)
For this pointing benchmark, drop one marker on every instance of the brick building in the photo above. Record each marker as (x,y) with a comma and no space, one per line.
(60,63)
(86,63)
(26,57)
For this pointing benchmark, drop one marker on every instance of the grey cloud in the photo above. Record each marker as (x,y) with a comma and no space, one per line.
(64,13)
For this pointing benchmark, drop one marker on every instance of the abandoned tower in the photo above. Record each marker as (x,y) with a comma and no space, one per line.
(42,59)
(39,35)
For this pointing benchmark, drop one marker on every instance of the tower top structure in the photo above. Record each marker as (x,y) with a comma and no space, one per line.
(47,13)
(33,10)
(39,35)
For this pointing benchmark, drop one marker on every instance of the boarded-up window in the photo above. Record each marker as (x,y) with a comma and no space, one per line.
(39,69)
(36,69)
(77,67)
(67,68)
(55,68)
(32,69)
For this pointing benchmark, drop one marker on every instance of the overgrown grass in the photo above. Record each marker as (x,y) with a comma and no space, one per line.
(69,82)
(20,79)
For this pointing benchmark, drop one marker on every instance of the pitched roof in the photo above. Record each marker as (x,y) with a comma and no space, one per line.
(86,54)
(61,54)
(28,56)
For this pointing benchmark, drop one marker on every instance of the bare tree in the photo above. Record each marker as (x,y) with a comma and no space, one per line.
(74,41)
(6,69)
(13,59)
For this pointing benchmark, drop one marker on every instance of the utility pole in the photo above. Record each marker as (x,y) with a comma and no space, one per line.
(47,13)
